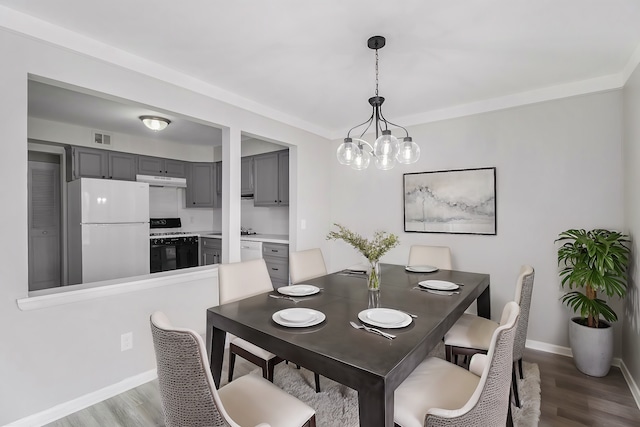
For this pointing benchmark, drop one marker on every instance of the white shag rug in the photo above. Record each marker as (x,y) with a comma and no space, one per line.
(337,405)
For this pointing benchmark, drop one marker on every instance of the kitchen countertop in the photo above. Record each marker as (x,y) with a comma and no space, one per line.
(268,238)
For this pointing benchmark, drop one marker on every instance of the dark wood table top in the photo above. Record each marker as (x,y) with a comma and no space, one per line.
(369,363)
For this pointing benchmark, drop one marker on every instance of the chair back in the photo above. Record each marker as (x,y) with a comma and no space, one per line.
(241,280)
(436,256)
(524,289)
(305,265)
(189,396)
(489,403)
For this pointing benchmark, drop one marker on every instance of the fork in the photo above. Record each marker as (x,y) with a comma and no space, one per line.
(436,292)
(284,297)
(373,330)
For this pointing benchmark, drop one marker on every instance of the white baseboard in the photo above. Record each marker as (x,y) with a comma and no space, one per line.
(67,408)
(548,348)
(633,386)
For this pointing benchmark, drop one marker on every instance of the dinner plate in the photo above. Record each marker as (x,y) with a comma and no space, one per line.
(298,290)
(298,317)
(421,268)
(385,318)
(438,285)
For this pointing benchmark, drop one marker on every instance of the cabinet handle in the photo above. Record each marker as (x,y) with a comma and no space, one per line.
(273,268)
(274,250)
(275,201)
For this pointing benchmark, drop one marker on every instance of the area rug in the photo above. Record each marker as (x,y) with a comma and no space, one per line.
(337,405)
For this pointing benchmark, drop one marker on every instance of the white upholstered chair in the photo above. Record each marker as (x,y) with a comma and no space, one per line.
(305,265)
(189,396)
(440,393)
(436,256)
(241,280)
(472,334)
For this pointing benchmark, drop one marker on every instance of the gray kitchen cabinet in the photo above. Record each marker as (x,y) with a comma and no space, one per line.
(210,251)
(201,185)
(94,163)
(246,176)
(269,169)
(157,166)
(276,256)
(218,174)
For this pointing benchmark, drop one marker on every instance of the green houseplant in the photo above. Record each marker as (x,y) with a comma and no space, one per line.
(381,243)
(595,261)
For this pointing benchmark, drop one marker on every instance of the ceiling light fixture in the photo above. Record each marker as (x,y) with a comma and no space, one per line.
(387,149)
(155,123)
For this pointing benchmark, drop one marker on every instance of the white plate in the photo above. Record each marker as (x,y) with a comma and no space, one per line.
(385,318)
(298,290)
(298,317)
(438,285)
(421,268)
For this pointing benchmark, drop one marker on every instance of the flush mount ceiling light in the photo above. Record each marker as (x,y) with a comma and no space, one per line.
(387,149)
(155,123)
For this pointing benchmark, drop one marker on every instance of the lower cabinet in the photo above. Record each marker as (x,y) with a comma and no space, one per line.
(276,256)
(210,251)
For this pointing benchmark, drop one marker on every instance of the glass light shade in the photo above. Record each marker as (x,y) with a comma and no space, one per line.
(362,160)
(386,145)
(409,152)
(347,152)
(155,123)
(385,162)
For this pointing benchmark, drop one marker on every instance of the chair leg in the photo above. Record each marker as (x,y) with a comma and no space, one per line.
(514,385)
(232,363)
(520,368)
(448,352)
(312,421)
(509,415)
(270,367)
(317,378)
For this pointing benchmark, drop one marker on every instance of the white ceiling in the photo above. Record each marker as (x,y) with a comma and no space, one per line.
(309,60)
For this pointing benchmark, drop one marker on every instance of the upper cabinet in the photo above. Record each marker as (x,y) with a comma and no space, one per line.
(157,166)
(246,176)
(202,185)
(93,163)
(271,179)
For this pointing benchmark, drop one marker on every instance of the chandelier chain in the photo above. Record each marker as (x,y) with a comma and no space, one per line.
(376,72)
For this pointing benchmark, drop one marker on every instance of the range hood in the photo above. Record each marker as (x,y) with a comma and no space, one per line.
(162,181)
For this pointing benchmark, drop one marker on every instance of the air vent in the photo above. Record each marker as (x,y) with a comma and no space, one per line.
(101,138)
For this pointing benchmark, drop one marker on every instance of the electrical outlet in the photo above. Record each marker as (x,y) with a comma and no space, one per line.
(126,341)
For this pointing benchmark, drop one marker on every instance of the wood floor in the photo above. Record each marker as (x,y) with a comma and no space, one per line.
(569,399)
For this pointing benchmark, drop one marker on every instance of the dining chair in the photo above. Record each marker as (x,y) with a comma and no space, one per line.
(305,265)
(436,256)
(241,280)
(189,396)
(472,334)
(440,393)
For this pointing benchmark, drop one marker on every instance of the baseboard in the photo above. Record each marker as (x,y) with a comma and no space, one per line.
(67,408)
(549,348)
(633,386)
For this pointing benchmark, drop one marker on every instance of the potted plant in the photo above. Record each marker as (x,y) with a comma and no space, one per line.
(595,261)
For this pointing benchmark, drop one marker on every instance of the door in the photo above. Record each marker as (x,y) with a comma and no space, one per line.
(122,166)
(200,186)
(283,178)
(44,225)
(266,179)
(89,163)
(246,176)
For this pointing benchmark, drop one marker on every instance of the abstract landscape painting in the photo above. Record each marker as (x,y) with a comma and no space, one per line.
(456,201)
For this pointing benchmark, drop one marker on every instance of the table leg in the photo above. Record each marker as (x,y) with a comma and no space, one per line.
(215,349)
(376,406)
(484,304)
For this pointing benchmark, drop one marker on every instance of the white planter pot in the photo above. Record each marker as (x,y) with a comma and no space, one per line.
(592,348)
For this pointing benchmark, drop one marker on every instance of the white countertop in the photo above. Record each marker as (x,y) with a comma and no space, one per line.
(268,238)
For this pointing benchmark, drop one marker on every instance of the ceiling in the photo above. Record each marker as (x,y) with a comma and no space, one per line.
(309,60)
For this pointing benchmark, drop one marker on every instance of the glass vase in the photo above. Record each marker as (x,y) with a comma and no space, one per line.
(373,280)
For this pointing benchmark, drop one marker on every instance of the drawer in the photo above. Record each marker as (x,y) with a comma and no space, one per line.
(211,243)
(278,269)
(275,250)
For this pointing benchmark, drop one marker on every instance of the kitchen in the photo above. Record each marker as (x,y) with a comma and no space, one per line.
(183,229)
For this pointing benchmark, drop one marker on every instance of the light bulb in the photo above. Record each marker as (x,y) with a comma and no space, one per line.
(386,145)
(362,159)
(409,151)
(347,152)
(385,162)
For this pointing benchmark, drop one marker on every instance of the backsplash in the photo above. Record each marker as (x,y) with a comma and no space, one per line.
(167,202)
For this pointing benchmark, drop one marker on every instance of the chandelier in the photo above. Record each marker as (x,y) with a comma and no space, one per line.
(387,149)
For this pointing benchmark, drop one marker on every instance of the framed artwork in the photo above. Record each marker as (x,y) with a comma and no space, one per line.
(454,201)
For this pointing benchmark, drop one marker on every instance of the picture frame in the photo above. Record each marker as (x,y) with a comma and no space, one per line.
(459,201)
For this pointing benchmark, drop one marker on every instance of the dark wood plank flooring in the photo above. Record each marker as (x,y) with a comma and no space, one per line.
(569,399)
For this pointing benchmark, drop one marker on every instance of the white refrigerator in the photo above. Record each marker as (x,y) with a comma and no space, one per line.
(108,229)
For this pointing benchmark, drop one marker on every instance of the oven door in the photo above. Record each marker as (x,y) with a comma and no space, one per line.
(187,253)
(164,257)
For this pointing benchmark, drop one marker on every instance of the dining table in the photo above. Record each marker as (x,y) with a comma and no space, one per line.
(369,363)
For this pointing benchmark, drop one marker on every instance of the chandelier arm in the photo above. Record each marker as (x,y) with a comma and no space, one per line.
(361,124)
(387,122)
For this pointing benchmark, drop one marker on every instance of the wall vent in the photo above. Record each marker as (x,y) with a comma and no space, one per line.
(101,138)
